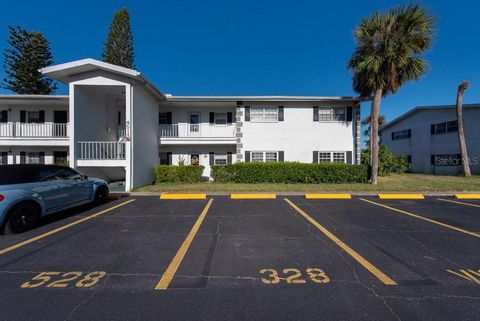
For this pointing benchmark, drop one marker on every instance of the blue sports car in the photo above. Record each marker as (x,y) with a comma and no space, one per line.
(28,192)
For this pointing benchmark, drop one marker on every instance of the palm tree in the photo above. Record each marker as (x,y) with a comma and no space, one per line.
(461,135)
(387,56)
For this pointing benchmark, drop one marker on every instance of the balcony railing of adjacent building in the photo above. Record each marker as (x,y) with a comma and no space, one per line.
(197,131)
(33,130)
(104,150)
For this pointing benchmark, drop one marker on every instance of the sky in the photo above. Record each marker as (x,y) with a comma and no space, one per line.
(263,47)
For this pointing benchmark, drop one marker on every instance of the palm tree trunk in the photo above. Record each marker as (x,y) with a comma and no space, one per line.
(375,112)
(461,133)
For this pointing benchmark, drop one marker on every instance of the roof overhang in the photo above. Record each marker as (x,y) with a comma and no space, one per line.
(34,99)
(265,98)
(64,72)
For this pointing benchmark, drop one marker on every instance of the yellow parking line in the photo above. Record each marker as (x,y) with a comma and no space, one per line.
(467,196)
(328,196)
(401,196)
(44,235)
(253,196)
(177,260)
(360,259)
(457,202)
(424,218)
(183,196)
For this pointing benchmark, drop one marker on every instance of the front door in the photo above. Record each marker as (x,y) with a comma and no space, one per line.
(194,127)
(59,120)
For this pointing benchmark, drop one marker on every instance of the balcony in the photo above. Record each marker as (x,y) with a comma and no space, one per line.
(33,130)
(101,153)
(197,133)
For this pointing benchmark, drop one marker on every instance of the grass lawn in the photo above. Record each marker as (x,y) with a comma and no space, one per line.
(391,183)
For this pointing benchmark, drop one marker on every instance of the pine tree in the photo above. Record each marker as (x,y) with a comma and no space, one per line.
(28,52)
(118,49)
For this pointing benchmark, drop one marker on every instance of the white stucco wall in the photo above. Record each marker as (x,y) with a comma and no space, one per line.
(422,144)
(14,152)
(144,125)
(298,135)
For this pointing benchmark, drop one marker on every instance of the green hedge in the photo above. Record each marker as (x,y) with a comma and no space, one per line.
(289,172)
(178,174)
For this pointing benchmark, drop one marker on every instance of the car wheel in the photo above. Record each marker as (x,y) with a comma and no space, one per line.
(22,217)
(101,195)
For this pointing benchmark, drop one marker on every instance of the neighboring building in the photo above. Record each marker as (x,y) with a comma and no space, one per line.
(119,126)
(428,137)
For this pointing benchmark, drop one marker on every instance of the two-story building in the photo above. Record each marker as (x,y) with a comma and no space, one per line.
(428,137)
(119,126)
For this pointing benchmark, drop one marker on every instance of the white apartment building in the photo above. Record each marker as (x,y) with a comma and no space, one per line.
(428,137)
(115,124)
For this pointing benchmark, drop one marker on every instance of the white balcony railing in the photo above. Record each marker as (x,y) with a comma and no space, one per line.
(102,150)
(34,130)
(197,131)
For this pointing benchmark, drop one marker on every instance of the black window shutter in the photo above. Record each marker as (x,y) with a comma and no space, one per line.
(315,113)
(4,158)
(229,117)
(23,116)
(393,136)
(281,156)
(23,157)
(247,113)
(349,113)
(409,135)
(211,158)
(432,159)
(42,116)
(169,117)
(229,158)
(349,157)
(42,157)
(247,157)
(280,113)
(315,156)
(211,118)
(169,157)
(4,116)
(432,129)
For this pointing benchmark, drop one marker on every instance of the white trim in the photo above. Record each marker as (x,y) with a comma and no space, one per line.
(331,152)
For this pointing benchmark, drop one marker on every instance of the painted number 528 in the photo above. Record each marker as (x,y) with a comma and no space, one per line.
(294,276)
(62,280)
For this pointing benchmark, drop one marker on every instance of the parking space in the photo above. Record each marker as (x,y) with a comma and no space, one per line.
(285,258)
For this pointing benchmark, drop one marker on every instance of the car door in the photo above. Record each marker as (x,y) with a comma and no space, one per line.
(49,187)
(77,187)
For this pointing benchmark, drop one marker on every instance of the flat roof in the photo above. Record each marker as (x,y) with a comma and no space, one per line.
(32,99)
(420,108)
(263,98)
(63,72)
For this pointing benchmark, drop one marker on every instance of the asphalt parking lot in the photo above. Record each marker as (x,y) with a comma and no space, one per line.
(289,258)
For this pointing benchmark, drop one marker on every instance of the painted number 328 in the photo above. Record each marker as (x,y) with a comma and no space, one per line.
(293,276)
(62,280)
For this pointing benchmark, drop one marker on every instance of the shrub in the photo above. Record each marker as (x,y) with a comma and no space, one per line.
(387,161)
(289,172)
(178,174)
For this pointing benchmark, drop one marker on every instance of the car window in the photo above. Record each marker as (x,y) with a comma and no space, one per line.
(68,174)
(46,174)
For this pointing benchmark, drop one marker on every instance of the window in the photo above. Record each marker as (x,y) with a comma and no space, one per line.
(163,158)
(68,174)
(443,128)
(331,157)
(60,158)
(401,134)
(264,114)
(339,157)
(220,159)
(331,114)
(33,158)
(447,160)
(264,157)
(220,118)
(162,118)
(33,116)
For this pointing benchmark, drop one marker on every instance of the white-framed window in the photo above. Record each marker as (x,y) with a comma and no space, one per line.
(332,157)
(220,118)
(33,116)
(33,158)
(401,134)
(264,114)
(332,113)
(264,157)
(444,128)
(220,159)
